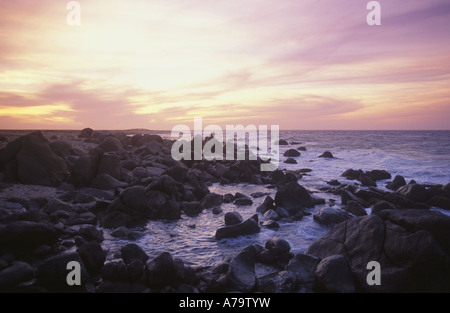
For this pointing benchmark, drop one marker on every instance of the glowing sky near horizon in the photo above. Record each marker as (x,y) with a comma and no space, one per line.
(306,64)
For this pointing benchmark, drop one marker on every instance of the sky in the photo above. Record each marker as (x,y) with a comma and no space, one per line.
(309,64)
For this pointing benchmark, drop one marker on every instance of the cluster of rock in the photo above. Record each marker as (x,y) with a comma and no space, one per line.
(123,182)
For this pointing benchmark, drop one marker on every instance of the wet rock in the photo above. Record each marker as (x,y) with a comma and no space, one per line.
(283,142)
(271,224)
(282,212)
(233,218)
(267,205)
(212,200)
(91,233)
(110,164)
(278,246)
(334,182)
(129,164)
(216,211)
(106,182)
(131,252)
(248,227)
(178,172)
(352,174)
(292,153)
(93,256)
(61,148)
(382,205)
(396,183)
(367,181)
(334,275)
(303,266)
(326,154)
(272,215)
(378,174)
(330,216)
(258,194)
(85,168)
(192,208)
(290,161)
(241,272)
(243,201)
(355,208)
(293,198)
(440,202)
(414,192)
(114,270)
(162,271)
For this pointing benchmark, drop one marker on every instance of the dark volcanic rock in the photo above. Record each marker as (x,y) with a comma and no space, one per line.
(161,271)
(93,256)
(290,161)
(61,148)
(397,182)
(292,153)
(243,201)
(30,160)
(352,174)
(378,174)
(326,154)
(15,274)
(414,192)
(212,200)
(248,227)
(283,142)
(293,198)
(267,205)
(86,133)
(241,272)
(329,216)
(26,235)
(334,275)
(192,208)
(233,218)
(111,144)
(355,208)
(131,252)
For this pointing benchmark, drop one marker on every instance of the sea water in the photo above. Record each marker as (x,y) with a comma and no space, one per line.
(420,155)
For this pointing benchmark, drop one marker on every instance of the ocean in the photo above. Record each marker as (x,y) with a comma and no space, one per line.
(420,155)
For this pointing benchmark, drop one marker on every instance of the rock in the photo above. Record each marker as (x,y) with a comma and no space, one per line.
(52,273)
(293,198)
(258,194)
(290,161)
(248,227)
(267,205)
(278,246)
(446,187)
(136,271)
(30,160)
(212,200)
(243,201)
(326,154)
(292,153)
(301,148)
(303,266)
(91,233)
(414,192)
(130,164)
(27,235)
(177,172)
(349,196)
(334,274)
(139,172)
(355,208)
(86,133)
(283,142)
(13,275)
(85,168)
(334,182)
(352,174)
(382,205)
(328,216)
(153,171)
(110,144)
(110,164)
(82,218)
(131,252)
(107,182)
(378,175)
(367,181)
(114,270)
(396,183)
(440,202)
(192,208)
(282,212)
(93,256)
(121,232)
(61,148)
(233,218)
(228,198)
(241,272)
(161,271)
(272,215)
(271,224)
(216,210)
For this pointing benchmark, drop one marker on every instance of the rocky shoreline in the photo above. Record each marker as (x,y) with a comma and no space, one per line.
(57,193)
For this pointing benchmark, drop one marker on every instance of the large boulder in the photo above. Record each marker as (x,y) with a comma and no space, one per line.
(30,160)
(334,275)
(15,274)
(110,143)
(411,257)
(241,272)
(161,271)
(330,215)
(93,256)
(293,198)
(86,133)
(110,164)
(292,153)
(248,227)
(85,168)
(27,235)
(414,192)
(397,182)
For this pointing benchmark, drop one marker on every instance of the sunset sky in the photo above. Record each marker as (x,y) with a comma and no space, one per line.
(300,64)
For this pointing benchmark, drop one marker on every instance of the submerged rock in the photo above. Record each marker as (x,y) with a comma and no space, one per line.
(248,227)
